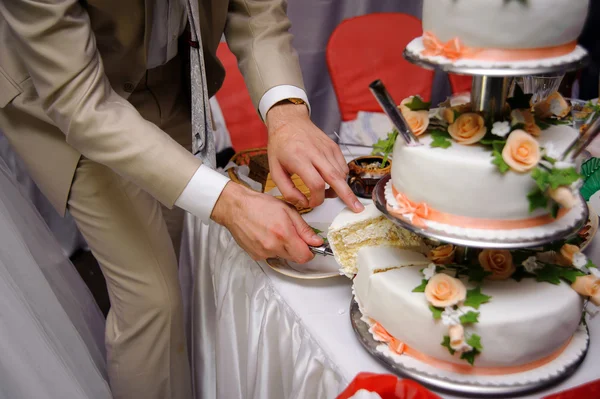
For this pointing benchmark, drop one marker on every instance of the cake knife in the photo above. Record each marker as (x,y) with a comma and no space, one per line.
(391,110)
(324,250)
(579,145)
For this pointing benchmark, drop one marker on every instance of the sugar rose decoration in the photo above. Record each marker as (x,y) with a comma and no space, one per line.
(418,121)
(563,196)
(468,128)
(566,254)
(588,286)
(526,118)
(499,262)
(457,338)
(521,152)
(442,255)
(442,291)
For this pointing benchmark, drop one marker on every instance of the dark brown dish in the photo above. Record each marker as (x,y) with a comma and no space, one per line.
(365,173)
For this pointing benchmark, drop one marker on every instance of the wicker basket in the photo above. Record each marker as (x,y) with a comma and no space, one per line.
(244,158)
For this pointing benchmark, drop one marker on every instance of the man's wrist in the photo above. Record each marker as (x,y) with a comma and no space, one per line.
(202,193)
(277,94)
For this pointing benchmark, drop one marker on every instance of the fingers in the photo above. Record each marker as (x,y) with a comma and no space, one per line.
(284,238)
(286,186)
(304,231)
(339,184)
(339,157)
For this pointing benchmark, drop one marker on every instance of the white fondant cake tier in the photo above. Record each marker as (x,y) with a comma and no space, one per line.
(523,322)
(461,180)
(501,24)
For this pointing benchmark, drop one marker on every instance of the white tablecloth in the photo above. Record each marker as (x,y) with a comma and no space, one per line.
(257,334)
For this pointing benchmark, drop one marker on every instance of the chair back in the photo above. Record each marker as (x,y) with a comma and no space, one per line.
(369,47)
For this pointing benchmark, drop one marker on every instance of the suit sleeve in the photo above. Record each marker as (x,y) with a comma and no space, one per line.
(257,32)
(55,40)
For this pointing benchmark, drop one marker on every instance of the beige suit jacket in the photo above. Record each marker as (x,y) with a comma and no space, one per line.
(68,66)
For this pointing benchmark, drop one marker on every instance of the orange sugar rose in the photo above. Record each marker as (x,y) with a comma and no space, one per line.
(497,261)
(521,152)
(468,128)
(442,291)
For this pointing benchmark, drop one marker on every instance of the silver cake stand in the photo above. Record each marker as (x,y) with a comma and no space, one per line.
(491,84)
(381,203)
(441,385)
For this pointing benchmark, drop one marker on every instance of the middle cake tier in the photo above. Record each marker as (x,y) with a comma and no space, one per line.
(462,186)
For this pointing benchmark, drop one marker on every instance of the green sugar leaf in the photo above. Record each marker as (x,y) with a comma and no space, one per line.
(537,199)
(562,177)
(417,104)
(470,317)
(474,341)
(421,288)
(475,298)
(441,138)
(446,344)
(437,312)
(549,274)
(470,356)
(499,162)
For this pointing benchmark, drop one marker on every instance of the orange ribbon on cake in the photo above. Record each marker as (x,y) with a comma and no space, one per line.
(421,212)
(400,348)
(418,211)
(454,49)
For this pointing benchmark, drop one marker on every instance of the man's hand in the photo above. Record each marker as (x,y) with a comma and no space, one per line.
(263,226)
(296,145)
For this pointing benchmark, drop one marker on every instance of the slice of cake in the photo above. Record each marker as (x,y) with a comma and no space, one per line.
(351,231)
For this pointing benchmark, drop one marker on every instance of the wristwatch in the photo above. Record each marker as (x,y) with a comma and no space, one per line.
(295,100)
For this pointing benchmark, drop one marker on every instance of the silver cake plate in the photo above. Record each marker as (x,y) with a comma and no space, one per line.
(379,198)
(461,389)
(577,60)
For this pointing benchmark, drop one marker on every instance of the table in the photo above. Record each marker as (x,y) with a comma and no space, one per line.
(255,333)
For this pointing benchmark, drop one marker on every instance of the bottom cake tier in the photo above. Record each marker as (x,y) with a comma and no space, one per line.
(490,327)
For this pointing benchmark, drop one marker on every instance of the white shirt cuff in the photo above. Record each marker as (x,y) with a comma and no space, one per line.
(280,93)
(202,192)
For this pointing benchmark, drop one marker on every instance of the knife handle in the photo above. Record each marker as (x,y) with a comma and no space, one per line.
(388,105)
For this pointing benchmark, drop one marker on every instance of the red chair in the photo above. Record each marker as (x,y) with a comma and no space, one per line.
(245,126)
(460,83)
(369,47)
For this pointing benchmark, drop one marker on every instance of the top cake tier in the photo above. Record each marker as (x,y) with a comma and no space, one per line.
(506,24)
(537,36)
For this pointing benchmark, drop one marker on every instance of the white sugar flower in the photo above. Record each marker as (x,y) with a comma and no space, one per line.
(579,260)
(450,317)
(595,272)
(551,151)
(531,265)
(429,272)
(501,128)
